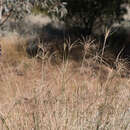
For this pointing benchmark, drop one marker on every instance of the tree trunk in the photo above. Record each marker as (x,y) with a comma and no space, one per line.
(1,10)
(88,25)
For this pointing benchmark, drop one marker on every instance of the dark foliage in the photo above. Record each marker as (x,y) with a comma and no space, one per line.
(95,13)
(88,14)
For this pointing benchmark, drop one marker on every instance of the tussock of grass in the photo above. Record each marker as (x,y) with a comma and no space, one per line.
(13,48)
(88,94)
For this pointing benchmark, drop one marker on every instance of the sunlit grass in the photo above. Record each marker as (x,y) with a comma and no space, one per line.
(84,95)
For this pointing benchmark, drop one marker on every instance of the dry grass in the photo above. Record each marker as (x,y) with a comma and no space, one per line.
(85,95)
(13,48)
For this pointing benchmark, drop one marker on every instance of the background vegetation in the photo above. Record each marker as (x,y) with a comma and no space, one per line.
(84,14)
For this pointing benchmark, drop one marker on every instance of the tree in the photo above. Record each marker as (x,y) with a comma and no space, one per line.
(20,8)
(88,13)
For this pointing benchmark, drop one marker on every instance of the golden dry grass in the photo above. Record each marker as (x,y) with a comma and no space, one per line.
(72,95)
(11,50)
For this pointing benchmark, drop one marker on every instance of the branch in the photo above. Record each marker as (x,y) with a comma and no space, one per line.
(6,18)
